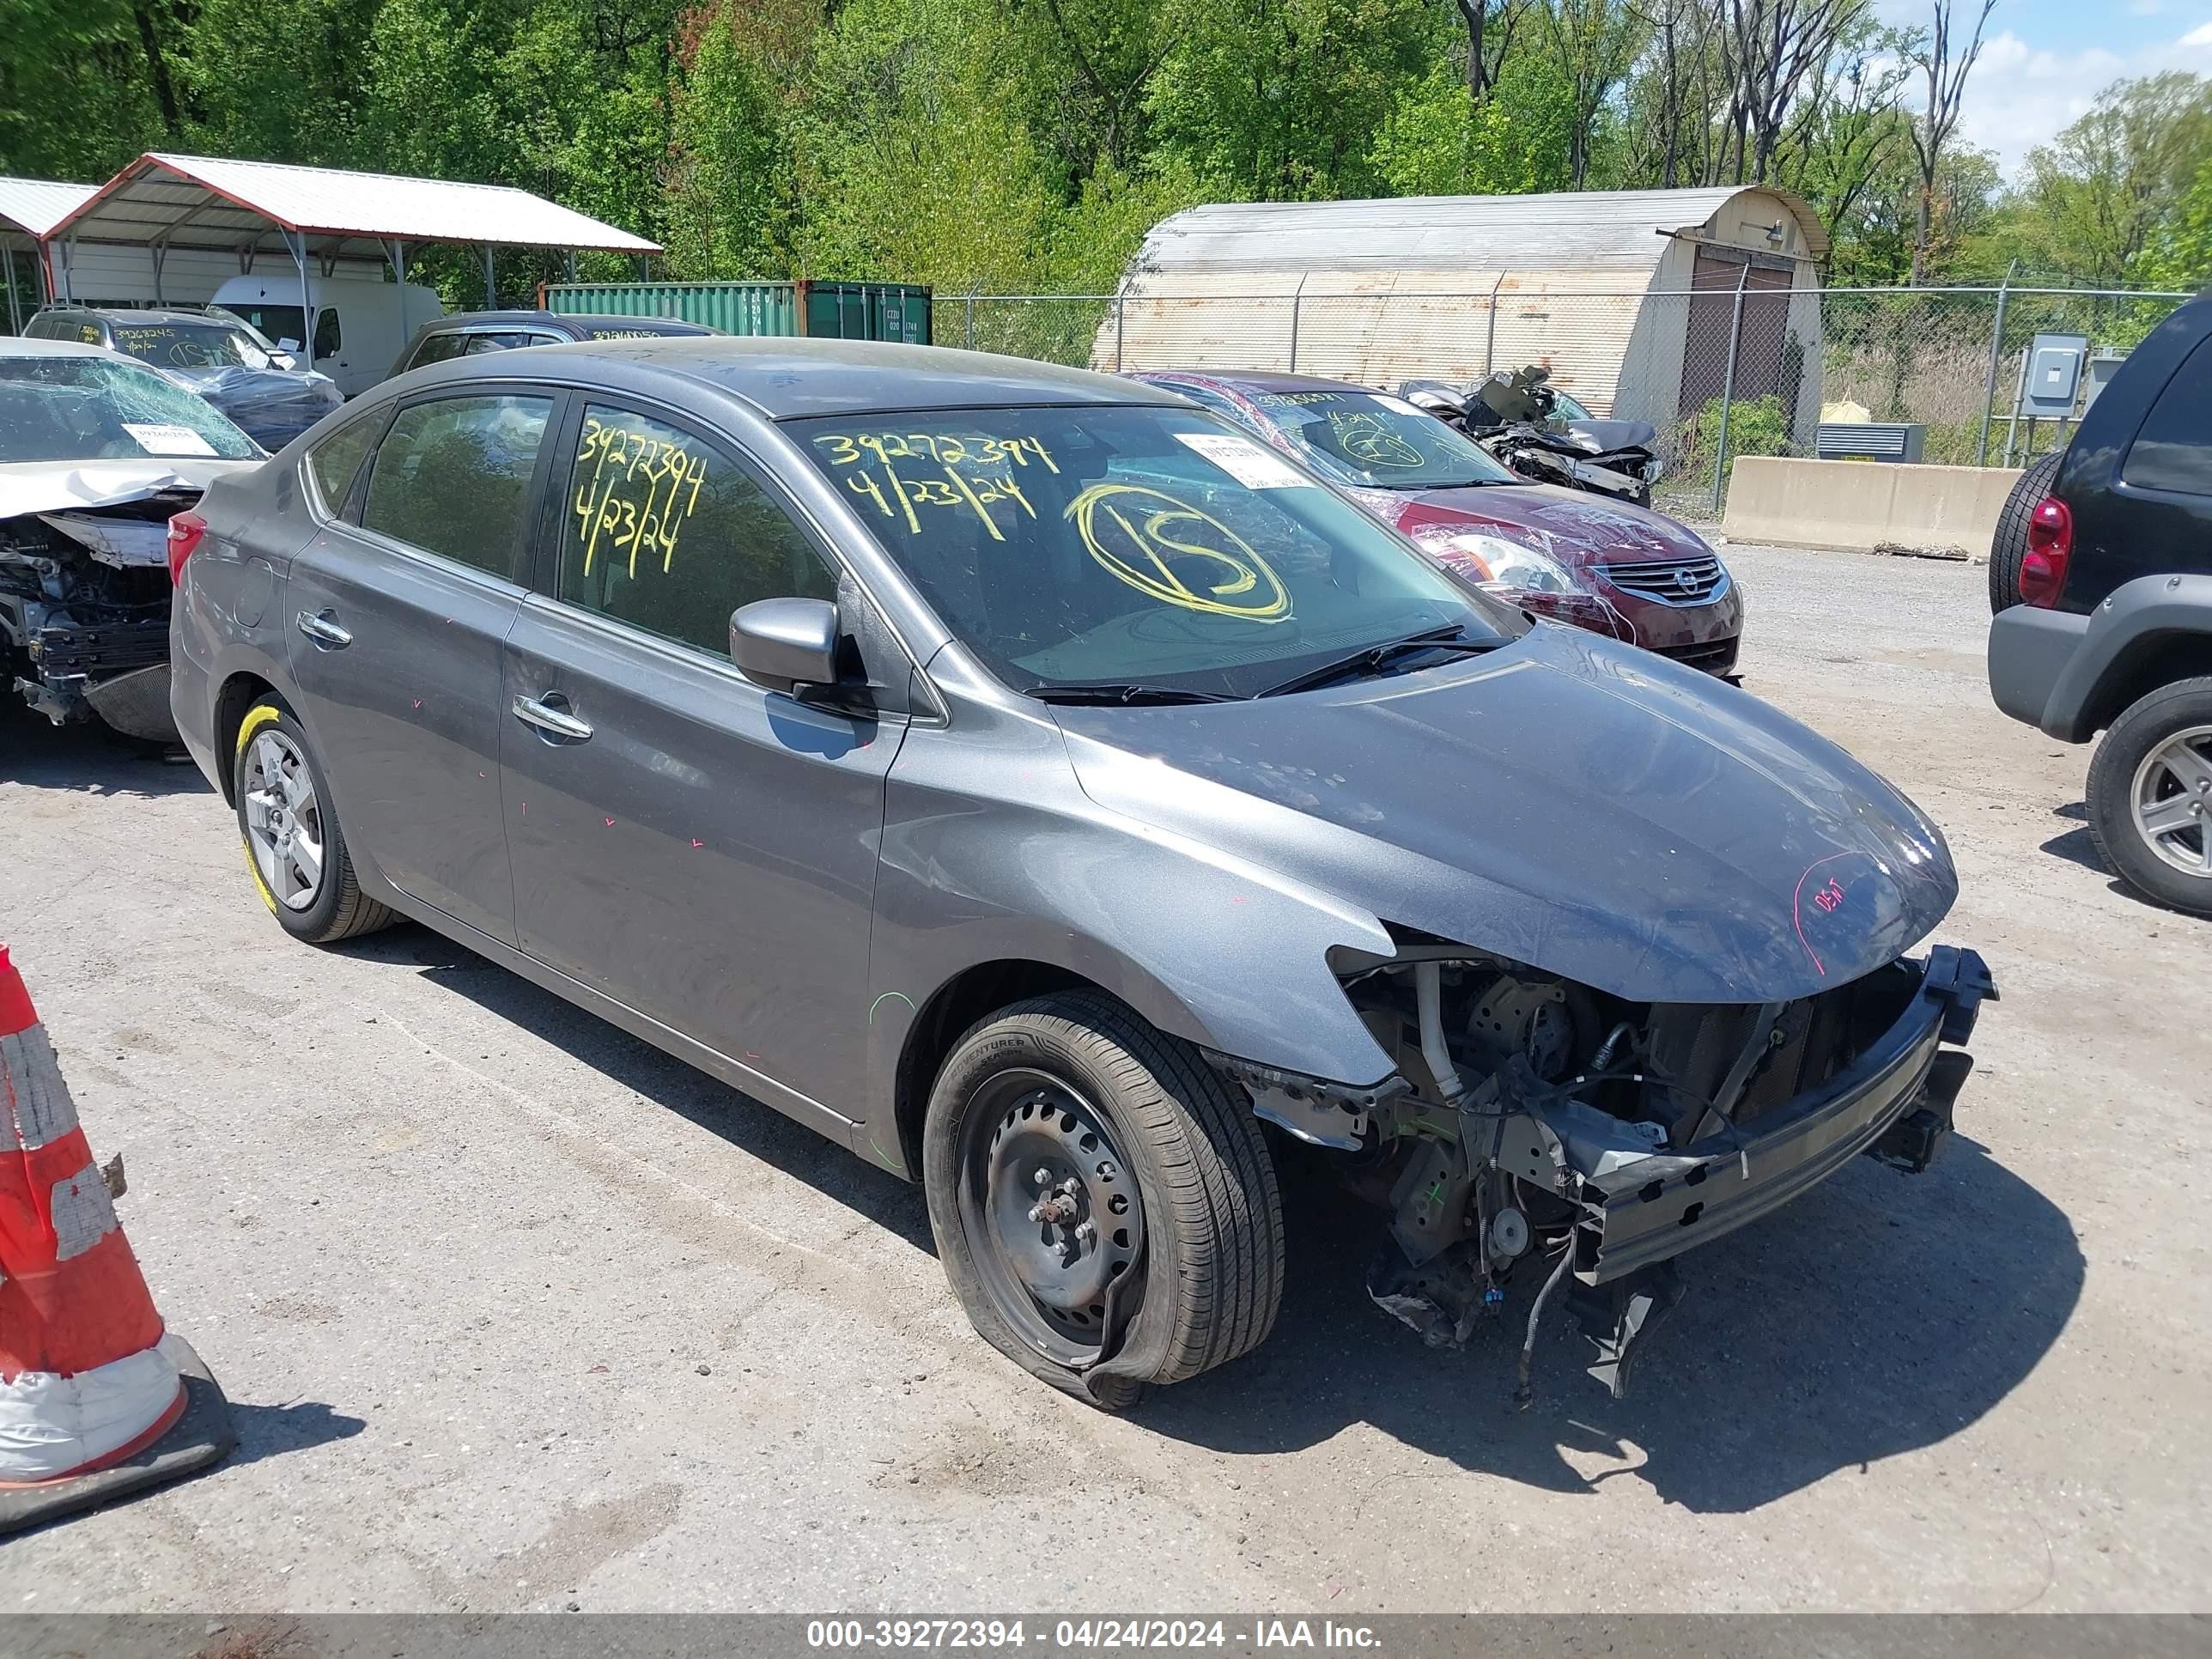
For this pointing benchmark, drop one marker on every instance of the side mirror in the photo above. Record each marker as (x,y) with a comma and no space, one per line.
(783,644)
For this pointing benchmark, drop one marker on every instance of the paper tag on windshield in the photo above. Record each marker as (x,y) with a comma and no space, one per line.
(169,439)
(1244,461)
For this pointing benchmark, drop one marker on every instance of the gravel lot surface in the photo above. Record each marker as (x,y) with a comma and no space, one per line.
(518,1313)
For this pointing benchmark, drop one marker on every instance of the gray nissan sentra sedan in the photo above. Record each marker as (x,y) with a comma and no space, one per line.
(1025,778)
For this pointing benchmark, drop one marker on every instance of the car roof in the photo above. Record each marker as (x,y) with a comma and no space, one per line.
(26,346)
(1255,379)
(562,319)
(787,379)
(143,314)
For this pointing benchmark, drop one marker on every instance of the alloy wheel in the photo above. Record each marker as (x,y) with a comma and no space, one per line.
(283,819)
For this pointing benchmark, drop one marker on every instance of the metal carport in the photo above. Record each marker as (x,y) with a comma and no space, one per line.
(29,210)
(321,215)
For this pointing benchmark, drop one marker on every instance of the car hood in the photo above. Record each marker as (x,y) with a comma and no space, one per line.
(1609,435)
(62,486)
(1570,523)
(1575,805)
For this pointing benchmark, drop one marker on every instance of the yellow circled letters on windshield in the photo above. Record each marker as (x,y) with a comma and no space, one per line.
(1139,534)
(1364,439)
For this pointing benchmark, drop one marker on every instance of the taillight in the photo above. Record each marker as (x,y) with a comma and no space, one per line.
(186,531)
(2049,546)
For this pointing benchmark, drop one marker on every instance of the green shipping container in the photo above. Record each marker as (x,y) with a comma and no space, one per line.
(831,311)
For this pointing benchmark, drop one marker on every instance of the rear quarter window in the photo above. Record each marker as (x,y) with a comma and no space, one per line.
(2173,449)
(334,462)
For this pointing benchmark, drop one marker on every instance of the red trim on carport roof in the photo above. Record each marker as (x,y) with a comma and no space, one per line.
(144,165)
(151,160)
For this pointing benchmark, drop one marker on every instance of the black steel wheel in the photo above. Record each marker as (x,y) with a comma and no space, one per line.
(1102,1201)
(1056,1216)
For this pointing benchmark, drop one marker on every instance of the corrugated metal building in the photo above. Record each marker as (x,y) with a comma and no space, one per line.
(1630,296)
(29,208)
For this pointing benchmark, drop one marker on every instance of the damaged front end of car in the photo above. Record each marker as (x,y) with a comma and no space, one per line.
(84,611)
(1542,1143)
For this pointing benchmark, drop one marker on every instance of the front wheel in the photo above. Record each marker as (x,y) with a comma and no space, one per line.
(294,846)
(2150,796)
(1100,1199)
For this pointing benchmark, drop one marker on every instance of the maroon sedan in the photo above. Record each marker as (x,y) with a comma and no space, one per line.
(1617,570)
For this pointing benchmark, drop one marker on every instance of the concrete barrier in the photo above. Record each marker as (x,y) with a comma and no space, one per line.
(1860,504)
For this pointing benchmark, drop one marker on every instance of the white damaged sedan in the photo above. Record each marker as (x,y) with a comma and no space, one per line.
(96,452)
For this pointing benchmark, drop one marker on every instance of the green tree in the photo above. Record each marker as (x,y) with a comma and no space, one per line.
(2099,192)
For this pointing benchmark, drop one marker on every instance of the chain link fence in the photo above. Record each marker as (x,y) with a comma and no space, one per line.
(1748,366)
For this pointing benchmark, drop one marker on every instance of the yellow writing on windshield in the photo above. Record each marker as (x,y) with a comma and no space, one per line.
(640,491)
(1168,551)
(903,472)
(1364,439)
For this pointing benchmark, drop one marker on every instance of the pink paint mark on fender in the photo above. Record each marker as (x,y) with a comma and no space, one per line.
(1829,897)
(696,843)
(1239,898)
(750,1054)
(611,824)
(418,702)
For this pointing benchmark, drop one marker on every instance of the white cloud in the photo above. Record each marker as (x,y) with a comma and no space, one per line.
(2020,96)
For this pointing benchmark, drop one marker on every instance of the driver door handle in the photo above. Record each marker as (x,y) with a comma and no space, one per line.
(554,722)
(319,626)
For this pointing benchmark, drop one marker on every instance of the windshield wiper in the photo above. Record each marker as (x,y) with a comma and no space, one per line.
(1124,693)
(1375,658)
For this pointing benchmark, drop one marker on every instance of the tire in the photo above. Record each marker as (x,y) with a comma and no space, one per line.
(2008,546)
(333,907)
(1205,1244)
(2143,754)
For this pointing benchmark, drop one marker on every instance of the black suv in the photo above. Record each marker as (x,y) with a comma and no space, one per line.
(2102,572)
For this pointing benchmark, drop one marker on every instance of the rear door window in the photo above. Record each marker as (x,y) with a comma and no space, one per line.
(2173,450)
(670,533)
(453,478)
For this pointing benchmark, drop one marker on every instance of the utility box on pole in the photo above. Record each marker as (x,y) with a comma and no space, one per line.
(2053,381)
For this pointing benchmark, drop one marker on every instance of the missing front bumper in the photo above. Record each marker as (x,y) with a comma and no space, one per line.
(1894,1100)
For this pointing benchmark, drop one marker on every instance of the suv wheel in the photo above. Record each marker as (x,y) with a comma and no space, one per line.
(2150,796)
(1098,1192)
(2009,545)
(293,846)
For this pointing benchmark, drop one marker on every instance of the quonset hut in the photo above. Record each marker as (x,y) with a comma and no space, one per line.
(1630,297)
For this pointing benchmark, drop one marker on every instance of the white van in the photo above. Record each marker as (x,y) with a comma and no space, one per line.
(360,325)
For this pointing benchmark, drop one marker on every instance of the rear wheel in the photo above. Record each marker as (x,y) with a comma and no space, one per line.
(294,846)
(1096,1191)
(2008,546)
(2150,796)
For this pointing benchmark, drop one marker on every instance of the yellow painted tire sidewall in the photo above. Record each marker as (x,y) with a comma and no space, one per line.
(261,715)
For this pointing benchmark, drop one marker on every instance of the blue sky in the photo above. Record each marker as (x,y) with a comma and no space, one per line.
(2044,61)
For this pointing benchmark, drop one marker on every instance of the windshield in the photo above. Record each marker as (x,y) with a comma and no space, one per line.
(1566,408)
(95,409)
(274,322)
(1375,442)
(1136,545)
(190,345)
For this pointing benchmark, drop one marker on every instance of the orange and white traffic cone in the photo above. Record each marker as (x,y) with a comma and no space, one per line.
(95,1401)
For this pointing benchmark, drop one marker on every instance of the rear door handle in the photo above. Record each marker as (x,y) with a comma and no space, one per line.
(554,722)
(319,626)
